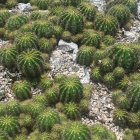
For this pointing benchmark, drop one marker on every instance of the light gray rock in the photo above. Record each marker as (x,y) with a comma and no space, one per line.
(22,7)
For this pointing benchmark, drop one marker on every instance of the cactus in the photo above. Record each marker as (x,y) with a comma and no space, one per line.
(45,45)
(23,1)
(2,33)
(123,83)
(22,90)
(137,134)
(40,99)
(71,90)
(88,10)
(57,11)
(108,40)
(25,28)
(59,106)
(42,29)
(31,63)
(84,106)
(120,117)
(4,15)
(96,75)
(71,2)
(116,95)
(2,109)
(47,119)
(121,13)
(107,24)
(85,55)
(91,38)
(9,125)
(3,135)
(134,96)
(66,36)
(72,20)
(16,21)
(26,41)
(99,55)
(11,3)
(21,137)
(135,76)
(72,111)
(118,73)
(35,15)
(8,56)
(58,31)
(75,131)
(125,56)
(43,4)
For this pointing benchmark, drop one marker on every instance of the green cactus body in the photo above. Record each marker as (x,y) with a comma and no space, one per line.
(72,20)
(22,90)
(88,10)
(3,135)
(71,90)
(57,11)
(121,13)
(36,15)
(84,106)
(25,28)
(58,31)
(47,119)
(11,3)
(108,40)
(123,83)
(31,63)
(107,24)
(23,1)
(8,56)
(2,109)
(91,38)
(16,21)
(99,55)
(9,125)
(72,111)
(43,4)
(85,55)
(40,99)
(4,15)
(96,75)
(21,137)
(66,36)
(71,2)
(116,95)
(135,76)
(118,73)
(26,41)
(76,131)
(133,120)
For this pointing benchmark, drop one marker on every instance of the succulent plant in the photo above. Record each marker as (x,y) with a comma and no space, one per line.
(57,10)
(96,75)
(20,137)
(42,28)
(47,119)
(31,63)
(116,95)
(123,83)
(125,56)
(2,109)
(72,111)
(134,76)
(109,80)
(118,73)
(71,2)
(128,135)
(85,55)
(66,36)
(137,134)
(22,90)
(58,31)
(87,90)
(9,125)
(84,106)
(72,20)
(8,56)
(43,4)
(76,131)
(26,41)
(121,13)
(120,117)
(4,15)
(11,3)
(2,21)
(3,135)
(108,40)
(23,1)
(107,24)
(16,21)
(99,55)
(71,90)
(88,10)
(59,106)
(40,99)
(59,78)
(91,38)
(2,32)
(35,15)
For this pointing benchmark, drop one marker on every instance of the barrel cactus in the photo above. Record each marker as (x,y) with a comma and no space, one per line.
(47,119)
(118,73)
(88,10)
(71,2)
(30,63)
(26,41)
(99,55)
(35,15)
(108,40)
(72,20)
(11,3)
(21,137)
(96,75)
(75,131)
(58,30)
(121,13)
(123,83)
(22,90)
(72,111)
(85,55)
(8,56)
(107,24)
(23,1)
(9,125)
(91,38)
(2,109)
(16,21)
(84,106)
(71,90)
(4,15)
(66,36)
(43,4)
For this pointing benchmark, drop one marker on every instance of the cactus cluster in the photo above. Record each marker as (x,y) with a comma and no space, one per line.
(71,2)
(43,4)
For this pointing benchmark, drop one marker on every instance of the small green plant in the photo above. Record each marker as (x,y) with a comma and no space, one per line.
(108,40)
(123,83)
(118,73)
(2,109)
(26,41)
(71,2)
(21,137)
(85,55)
(47,119)
(72,20)
(43,4)
(96,75)
(11,3)
(99,55)
(41,98)
(22,90)
(35,15)
(72,111)
(71,90)
(116,95)
(84,106)
(58,31)
(4,15)
(31,63)
(66,36)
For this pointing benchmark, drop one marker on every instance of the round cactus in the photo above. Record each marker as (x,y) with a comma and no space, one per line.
(71,2)
(99,55)
(121,13)
(43,4)
(40,99)
(72,20)
(9,125)
(88,10)
(116,95)
(8,56)
(23,1)
(2,109)
(58,31)
(84,106)
(57,10)
(11,3)
(75,131)
(25,28)
(20,137)
(26,41)
(3,135)
(31,63)
(85,55)
(72,111)
(108,40)
(22,90)
(66,36)
(107,24)
(47,119)
(123,83)
(118,73)
(135,76)
(91,38)
(16,21)
(35,15)
(96,75)
(4,15)
(71,90)
(42,28)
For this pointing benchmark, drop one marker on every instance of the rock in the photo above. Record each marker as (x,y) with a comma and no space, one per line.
(22,7)
(138,11)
